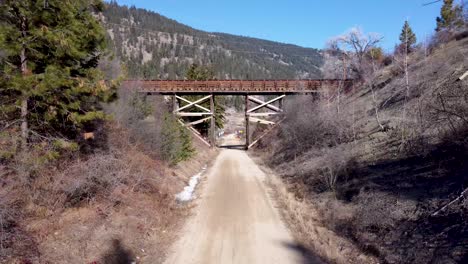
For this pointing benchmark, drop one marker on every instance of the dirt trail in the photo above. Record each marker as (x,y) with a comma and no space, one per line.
(236,221)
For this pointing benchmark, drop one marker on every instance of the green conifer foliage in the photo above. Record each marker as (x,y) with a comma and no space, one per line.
(450,16)
(49,69)
(186,149)
(176,142)
(407,36)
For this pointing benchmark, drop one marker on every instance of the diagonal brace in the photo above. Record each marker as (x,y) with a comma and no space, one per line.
(199,121)
(195,132)
(266,103)
(258,101)
(265,134)
(261,121)
(196,103)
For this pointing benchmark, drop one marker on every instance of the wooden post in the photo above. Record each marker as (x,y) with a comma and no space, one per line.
(174,104)
(247,121)
(213,121)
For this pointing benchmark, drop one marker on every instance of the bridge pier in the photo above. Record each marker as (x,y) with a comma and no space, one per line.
(247,123)
(180,113)
(213,121)
(252,115)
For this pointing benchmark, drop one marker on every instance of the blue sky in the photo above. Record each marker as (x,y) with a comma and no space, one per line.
(308,23)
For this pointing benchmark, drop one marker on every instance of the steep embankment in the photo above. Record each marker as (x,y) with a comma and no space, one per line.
(155,47)
(371,174)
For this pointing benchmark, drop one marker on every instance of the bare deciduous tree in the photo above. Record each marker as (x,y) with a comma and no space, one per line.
(356,45)
(355,52)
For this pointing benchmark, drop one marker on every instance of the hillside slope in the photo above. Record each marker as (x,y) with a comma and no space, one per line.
(114,203)
(155,47)
(375,176)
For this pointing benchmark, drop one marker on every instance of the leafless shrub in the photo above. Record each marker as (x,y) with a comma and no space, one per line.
(6,216)
(142,116)
(450,106)
(131,107)
(13,239)
(313,123)
(334,166)
(101,174)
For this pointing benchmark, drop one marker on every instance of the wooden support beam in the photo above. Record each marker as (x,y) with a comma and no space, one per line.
(196,103)
(199,121)
(258,101)
(263,114)
(193,114)
(463,76)
(261,121)
(266,103)
(195,133)
(264,134)
(175,104)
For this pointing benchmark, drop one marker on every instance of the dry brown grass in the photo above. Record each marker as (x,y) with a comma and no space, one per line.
(308,218)
(391,171)
(96,207)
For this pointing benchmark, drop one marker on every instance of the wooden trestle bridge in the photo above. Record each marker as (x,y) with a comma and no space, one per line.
(251,89)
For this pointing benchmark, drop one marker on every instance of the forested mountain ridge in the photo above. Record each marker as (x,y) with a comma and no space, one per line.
(155,47)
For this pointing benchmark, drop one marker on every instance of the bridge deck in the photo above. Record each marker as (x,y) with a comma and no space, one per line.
(237,86)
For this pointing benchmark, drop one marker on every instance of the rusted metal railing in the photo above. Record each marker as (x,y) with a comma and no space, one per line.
(237,86)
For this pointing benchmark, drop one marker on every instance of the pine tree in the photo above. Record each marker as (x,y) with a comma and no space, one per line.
(450,16)
(176,142)
(186,148)
(52,49)
(199,73)
(407,37)
(169,140)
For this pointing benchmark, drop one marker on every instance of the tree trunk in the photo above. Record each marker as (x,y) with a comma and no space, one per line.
(403,131)
(24,100)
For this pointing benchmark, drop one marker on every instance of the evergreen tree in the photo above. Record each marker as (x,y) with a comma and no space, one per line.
(450,16)
(52,49)
(169,140)
(176,142)
(407,37)
(186,148)
(198,73)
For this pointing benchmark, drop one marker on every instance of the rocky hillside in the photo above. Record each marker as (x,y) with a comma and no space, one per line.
(155,47)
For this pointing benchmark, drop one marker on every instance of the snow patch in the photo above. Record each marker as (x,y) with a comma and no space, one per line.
(187,194)
(111,33)
(284,63)
(147,56)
